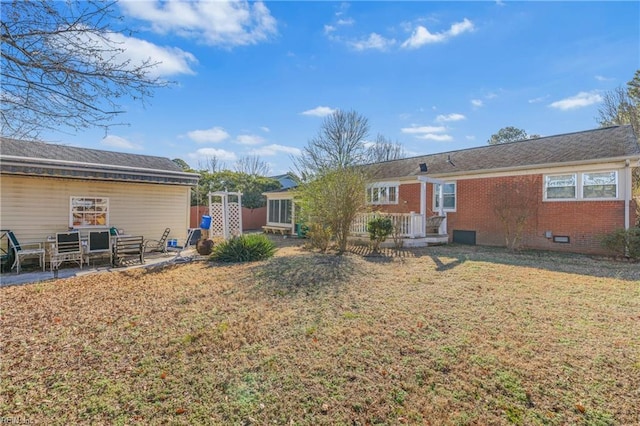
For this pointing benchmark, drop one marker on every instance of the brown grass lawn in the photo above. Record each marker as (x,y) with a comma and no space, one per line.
(442,335)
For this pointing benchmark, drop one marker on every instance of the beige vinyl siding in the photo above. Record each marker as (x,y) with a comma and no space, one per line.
(35,207)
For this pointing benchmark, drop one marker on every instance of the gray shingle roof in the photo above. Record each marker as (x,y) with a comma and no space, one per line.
(43,150)
(38,158)
(599,144)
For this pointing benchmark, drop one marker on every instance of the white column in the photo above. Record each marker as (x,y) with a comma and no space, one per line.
(441,200)
(240,212)
(225,218)
(423,199)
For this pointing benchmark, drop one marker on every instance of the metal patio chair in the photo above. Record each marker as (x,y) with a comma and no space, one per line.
(23,251)
(157,245)
(67,248)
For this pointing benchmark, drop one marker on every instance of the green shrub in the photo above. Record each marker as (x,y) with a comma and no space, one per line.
(379,228)
(319,236)
(245,248)
(623,242)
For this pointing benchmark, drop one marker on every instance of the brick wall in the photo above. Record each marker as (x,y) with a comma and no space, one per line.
(408,200)
(584,222)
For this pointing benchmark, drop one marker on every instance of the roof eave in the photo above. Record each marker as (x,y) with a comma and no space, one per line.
(103,173)
(73,165)
(634,157)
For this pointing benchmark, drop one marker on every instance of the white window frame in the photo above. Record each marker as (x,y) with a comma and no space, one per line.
(85,211)
(282,211)
(382,193)
(580,186)
(547,179)
(616,183)
(435,197)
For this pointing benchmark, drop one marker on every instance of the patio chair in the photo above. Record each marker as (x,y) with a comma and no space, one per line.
(157,245)
(67,248)
(99,244)
(23,251)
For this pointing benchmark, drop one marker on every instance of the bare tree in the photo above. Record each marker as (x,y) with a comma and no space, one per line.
(339,144)
(514,202)
(211,164)
(62,66)
(385,150)
(252,165)
(622,106)
(619,107)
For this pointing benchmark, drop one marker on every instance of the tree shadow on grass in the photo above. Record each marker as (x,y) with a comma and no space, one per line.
(447,257)
(442,266)
(306,274)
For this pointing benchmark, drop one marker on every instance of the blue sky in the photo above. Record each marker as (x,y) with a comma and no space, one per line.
(258,78)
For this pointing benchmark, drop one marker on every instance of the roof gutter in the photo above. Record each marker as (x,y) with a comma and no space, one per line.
(73,165)
(8,161)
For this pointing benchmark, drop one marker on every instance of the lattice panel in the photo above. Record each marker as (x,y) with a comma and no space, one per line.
(234,219)
(217,223)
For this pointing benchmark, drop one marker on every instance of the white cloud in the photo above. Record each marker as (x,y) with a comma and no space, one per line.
(319,111)
(250,139)
(212,135)
(275,149)
(581,100)
(477,103)
(113,141)
(374,41)
(434,137)
(602,78)
(169,60)
(219,23)
(416,130)
(131,52)
(421,35)
(220,154)
(538,99)
(470,137)
(328,29)
(265,129)
(450,117)
(460,27)
(434,133)
(346,21)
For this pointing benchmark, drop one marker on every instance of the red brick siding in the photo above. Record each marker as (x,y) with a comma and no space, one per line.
(583,221)
(408,200)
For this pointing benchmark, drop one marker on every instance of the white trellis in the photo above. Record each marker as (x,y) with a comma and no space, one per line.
(226,216)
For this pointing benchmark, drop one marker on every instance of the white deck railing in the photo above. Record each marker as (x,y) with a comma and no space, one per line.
(410,225)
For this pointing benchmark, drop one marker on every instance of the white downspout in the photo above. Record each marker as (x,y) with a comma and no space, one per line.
(627,193)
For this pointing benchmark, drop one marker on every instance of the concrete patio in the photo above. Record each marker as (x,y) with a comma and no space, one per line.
(34,275)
